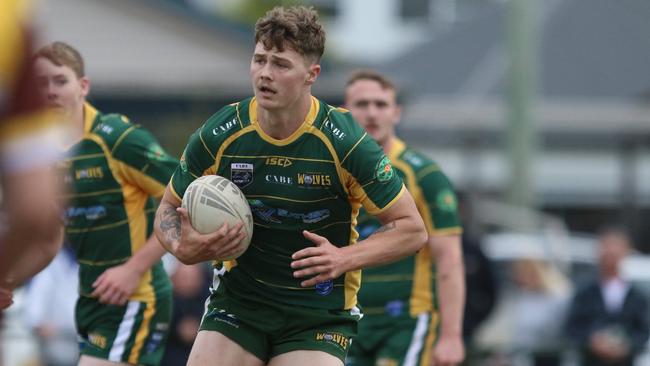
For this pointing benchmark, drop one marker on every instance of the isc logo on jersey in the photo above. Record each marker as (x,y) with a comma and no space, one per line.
(278,161)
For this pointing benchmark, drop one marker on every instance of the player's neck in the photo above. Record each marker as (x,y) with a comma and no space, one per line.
(281,123)
(387,145)
(76,120)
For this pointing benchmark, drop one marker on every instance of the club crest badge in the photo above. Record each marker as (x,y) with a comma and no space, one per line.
(241,174)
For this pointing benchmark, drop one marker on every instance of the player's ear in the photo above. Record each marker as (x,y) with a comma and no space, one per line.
(398,114)
(313,72)
(85,85)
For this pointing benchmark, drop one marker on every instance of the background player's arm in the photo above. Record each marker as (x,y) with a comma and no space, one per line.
(118,283)
(450,282)
(176,234)
(402,234)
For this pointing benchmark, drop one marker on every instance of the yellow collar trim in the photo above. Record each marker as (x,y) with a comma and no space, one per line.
(306,124)
(397,147)
(90,113)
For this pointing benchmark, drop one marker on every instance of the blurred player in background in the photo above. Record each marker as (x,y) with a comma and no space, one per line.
(413,307)
(31,233)
(114,169)
(306,168)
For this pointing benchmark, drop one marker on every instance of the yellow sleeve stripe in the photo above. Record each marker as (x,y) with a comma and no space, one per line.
(354,147)
(457,230)
(428,170)
(204,144)
(151,186)
(171,188)
(121,138)
(391,203)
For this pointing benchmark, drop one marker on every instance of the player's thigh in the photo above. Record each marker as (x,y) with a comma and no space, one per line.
(301,358)
(213,348)
(86,360)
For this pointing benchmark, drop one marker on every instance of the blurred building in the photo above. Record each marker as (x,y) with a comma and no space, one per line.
(170,64)
(592,111)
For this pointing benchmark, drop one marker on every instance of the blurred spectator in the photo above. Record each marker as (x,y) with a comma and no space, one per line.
(608,319)
(49,310)
(481,287)
(191,288)
(540,306)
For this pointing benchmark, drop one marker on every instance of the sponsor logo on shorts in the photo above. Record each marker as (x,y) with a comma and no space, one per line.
(333,338)
(394,308)
(384,171)
(222,316)
(97,340)
(324,288)
(154,342)
(241,174)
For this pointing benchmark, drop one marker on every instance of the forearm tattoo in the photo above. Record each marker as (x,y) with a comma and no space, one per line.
(170,224)
(388,227)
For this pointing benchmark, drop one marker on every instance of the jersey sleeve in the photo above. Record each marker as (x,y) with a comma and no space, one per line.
(195,161)
(440,208)
(374,182)
(198,158)
(143,162)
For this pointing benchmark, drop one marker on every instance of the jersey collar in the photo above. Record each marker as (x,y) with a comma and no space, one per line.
(396,149)
(90,114)
(306,124)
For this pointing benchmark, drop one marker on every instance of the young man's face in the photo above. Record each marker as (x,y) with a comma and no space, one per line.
(374,108)
(59,86)
(280,78)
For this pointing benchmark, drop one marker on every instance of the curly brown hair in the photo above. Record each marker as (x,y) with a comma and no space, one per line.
(296,27)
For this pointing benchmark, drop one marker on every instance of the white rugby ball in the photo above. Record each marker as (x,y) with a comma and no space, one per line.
(212,200)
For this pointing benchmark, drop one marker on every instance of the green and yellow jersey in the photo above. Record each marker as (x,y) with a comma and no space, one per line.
(113,174)
(407,287)
(317,179)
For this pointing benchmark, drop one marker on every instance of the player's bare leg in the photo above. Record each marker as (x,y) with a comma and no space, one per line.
(86,360)
(301,358)
(213,348)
